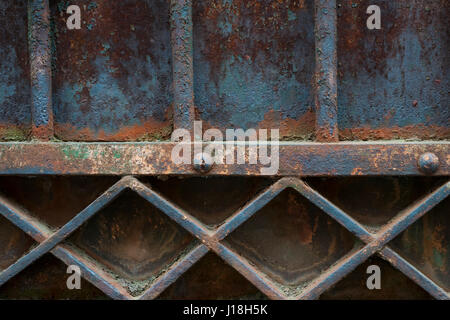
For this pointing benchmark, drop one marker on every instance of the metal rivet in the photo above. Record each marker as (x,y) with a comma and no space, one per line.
(203,162)
(428,163)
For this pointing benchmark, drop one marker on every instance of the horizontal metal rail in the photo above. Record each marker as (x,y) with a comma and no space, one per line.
(155,158)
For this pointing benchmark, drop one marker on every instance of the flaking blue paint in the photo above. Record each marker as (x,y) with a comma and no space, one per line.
(246,86)
(14,79)
(406,87)
(120,92)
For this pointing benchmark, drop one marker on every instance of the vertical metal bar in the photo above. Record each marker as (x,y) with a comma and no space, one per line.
(183,68)
(41,71)
(326,71)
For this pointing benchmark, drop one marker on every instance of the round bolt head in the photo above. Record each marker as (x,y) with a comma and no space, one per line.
(428,163)
(203,162)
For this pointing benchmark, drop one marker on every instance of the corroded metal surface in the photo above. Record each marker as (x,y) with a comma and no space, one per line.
(326,71)
(215,240)
(312,240)
(15,91)
(138,69)
(393,83)
(46,280)
(396,286)
(183,64)
(431,255)
(40,64)
(254,64)
(132,238)
(113,78)
(14,242)
(299,159)
(212,278)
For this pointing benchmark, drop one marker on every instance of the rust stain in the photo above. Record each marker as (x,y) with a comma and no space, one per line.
(150,130)
(420,132)
(290,129)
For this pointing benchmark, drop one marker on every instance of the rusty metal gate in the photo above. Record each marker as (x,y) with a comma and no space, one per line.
(87,179)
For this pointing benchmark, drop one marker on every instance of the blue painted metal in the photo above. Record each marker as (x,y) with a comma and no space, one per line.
(92,272)
(213,240)
(41,71)
(326,71)
(254,65)
(15,92)
(183,64)
(393,82)
(115,84)
(250,209)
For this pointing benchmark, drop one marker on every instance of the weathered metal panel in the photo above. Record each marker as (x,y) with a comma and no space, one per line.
(40,69)
(254,65)
(15,92)
(393,82)
(139,69)
(113,78)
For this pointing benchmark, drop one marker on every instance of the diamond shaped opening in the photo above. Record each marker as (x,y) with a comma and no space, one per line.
(373,201)
(55,199)
(291,240)
(394,285)
(46,279)
(14,243)
(211,279)
(134,241)
(425,244)
(211,199)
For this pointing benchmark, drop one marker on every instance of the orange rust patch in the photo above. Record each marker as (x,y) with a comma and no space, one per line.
(290,128)
(149,130)
(323,135)
(419,132)
(357,172)
(42,132)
